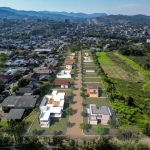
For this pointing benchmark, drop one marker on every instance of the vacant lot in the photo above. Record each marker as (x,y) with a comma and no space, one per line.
(89,64)
(91,75)
(133,65)
(91,79)
(115,67)
(141,60)
(98,101)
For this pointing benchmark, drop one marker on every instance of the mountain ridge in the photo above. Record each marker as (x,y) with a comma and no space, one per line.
(63,13)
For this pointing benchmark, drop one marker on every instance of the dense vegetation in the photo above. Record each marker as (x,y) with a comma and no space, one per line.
(129,99)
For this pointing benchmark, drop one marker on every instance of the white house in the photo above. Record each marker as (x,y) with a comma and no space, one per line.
(64,74)
(103,114)
(51,107)
(87,59)
(148,41)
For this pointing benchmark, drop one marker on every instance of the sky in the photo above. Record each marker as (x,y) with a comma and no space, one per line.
(126,7)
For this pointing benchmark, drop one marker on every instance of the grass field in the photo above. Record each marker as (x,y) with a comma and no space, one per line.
(103,59)
(91,79)
(89,64)
(91,75)
(98,101)
(115,67)
(145,59)
(125,70)
(134,65)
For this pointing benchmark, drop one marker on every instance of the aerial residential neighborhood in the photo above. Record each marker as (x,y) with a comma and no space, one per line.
(74,80)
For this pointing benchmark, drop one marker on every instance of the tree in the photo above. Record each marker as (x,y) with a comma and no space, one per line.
(14,128)
(14,89)
(82,94)
(82,89)
(99,131)
(128,134)
(23,82)
(83,114)
(17,75)
(112,123)
(69,111)
(37,92)
(83,126)
(147,129)
(2,88)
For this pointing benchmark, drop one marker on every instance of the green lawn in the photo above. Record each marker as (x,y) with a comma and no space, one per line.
(91,128)
(103,59)
(91,75)
(98,101)
(92,80)
(56,125)
(89,64)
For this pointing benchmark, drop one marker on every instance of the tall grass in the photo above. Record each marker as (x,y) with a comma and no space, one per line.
(134,65)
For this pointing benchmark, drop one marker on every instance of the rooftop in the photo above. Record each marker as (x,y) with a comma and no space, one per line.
(61,82)
(25,101)
(102,110)
(15,113)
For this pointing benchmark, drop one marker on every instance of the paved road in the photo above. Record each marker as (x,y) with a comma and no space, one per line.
(76,118)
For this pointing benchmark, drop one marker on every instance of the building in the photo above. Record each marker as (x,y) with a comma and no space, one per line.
(62,83)
(72,56)
(102,114)
(6,78)
(86,54)
(68,67)
(42,71)
(26,102)
(92,90)
(148,41)
(51,108)
(64,74)
(89,69)
(71,62)
(16,114)
(87,59)
(42,50)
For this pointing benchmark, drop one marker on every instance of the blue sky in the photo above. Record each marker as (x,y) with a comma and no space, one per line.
(127,7)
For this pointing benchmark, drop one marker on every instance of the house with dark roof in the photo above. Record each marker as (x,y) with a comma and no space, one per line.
(16,114)
(102,114)
(92,90)
(26,102)
(27,89)
(62,83)
(6,78)
(32,76)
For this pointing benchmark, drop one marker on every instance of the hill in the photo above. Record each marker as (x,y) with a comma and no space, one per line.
(47,14)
